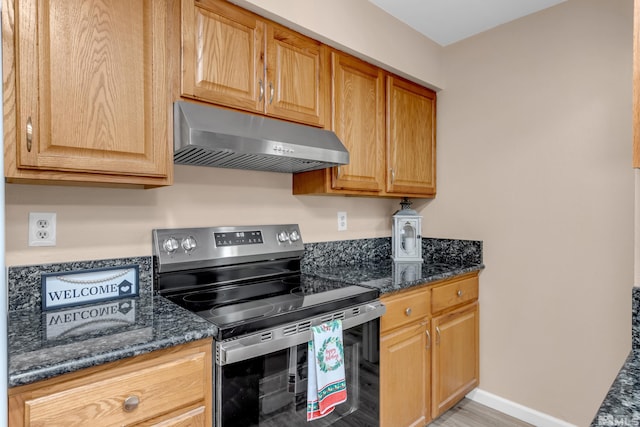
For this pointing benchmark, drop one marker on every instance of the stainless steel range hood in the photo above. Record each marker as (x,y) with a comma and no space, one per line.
(210,136)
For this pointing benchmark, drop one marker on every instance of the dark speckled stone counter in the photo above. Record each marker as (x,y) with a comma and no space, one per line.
(388,277)
(367,262)
(40,347)
(621,406)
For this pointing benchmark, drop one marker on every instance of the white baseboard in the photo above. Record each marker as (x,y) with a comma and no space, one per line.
(516,410)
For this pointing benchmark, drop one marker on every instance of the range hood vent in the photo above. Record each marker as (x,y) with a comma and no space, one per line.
(211,136)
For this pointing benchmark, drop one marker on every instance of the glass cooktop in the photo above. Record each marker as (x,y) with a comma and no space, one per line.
(239,309)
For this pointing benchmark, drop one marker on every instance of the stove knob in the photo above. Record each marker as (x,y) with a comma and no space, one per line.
(189,243)
(294,236)
(170,245)
(283,236)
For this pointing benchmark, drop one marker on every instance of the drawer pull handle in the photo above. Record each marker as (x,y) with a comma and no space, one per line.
(437,335)
(261,95)
(131,403)
(459,293)
(428,339)
(408,311)
(270,93)
(29,134)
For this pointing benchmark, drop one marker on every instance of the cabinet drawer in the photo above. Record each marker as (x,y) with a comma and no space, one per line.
(405,308)
(159,389)
(454,294)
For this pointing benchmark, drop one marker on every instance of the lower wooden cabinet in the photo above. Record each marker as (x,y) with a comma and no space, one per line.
(404,384)
(429,350)
(169,387)
(455,367)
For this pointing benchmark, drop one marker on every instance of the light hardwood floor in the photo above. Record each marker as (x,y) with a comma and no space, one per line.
(468,413)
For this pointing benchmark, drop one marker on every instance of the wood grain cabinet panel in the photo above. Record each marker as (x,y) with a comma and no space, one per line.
(223,52)
(455,357)
(358,120)
(297,76)
(405,307)
(411,138)
(166,388)
(234,58)
(456,292)
(91,96)
(404,380)
(405,343)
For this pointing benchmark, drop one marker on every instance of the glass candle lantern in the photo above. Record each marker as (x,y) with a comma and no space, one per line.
(406,228)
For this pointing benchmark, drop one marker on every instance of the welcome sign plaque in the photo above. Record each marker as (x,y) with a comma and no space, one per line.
(73,288)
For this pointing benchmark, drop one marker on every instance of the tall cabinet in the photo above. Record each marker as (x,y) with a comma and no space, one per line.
(85,95)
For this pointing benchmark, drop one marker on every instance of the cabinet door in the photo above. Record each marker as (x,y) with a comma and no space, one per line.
(411,138)
(358,120)
(297,76)
(91,87)
(404,377)
(222,54)
(455,358)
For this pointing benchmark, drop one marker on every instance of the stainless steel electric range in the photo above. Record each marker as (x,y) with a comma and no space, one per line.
(246,281)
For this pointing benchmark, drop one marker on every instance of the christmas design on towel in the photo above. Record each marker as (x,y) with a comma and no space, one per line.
(326,385)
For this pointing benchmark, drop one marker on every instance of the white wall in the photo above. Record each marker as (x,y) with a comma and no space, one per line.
(534,158)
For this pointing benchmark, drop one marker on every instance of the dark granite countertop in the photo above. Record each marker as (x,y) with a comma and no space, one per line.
(367,262)
(389,277)
(46,344)
(621,406)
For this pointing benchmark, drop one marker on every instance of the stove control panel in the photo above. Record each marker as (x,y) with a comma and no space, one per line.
(182,248)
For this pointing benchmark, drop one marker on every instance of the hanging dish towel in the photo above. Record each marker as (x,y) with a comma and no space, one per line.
(326,386)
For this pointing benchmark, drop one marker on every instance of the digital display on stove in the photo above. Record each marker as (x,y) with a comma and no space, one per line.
(237,238)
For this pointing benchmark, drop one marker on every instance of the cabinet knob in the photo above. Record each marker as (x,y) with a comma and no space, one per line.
(131,403)
(408,311)
(459,293)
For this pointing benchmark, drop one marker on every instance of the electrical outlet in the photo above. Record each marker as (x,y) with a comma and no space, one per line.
(42,229)
(342,221)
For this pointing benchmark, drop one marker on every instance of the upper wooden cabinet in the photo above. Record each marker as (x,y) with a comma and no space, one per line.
(85,92)
(411,138)
(234,58)
(389,131)
(357,96)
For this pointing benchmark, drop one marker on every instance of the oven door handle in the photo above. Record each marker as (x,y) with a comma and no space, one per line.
(250,346)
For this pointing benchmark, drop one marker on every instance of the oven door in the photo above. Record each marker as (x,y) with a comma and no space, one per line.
(270,389)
